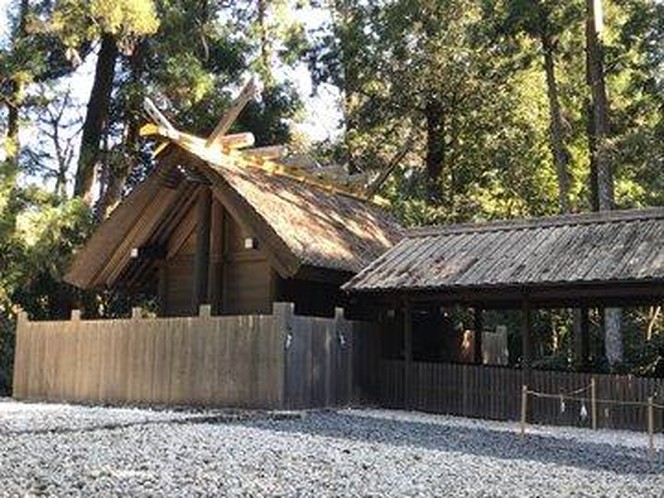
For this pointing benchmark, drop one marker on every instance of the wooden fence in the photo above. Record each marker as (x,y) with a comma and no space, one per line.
(268,361)
(284,360)
(495,393)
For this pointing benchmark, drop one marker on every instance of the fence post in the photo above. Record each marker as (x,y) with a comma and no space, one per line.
(343,359)
(593,402)
(524,409)
(20,386)
(282,315)
(205,311)
(651,428)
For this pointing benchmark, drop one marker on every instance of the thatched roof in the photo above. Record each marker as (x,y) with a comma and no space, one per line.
(299,221)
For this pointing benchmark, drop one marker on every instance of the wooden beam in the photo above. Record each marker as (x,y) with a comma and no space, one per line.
(408,350)
(233,112)
(585,337)
(202,257)
(268,152)
(155,114)
(614,293)
(237,140)
(162,289)
(477,336)
(581,339)
(375,186)
(215,288)
(526,335)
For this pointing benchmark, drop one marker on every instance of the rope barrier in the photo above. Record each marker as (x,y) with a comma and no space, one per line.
(597,400)
(569,395)
(650,406)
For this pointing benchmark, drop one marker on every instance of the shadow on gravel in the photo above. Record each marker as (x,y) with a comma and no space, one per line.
(222,418)
(475,441)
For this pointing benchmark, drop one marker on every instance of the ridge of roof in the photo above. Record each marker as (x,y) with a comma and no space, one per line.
(593,218)
(196,145)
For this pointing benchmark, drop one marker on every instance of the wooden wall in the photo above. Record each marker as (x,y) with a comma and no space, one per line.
(239,280)
(265,361)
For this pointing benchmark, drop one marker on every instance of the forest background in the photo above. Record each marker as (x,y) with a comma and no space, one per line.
(479,109)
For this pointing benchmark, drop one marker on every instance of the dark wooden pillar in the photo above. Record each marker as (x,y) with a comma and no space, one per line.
(162,290)
(408,350)
(584,351)
(477,336)
(526,335)
(215,276)
(202,257)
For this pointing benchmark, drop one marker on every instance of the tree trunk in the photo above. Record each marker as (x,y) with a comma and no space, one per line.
(435,154)
(117,176)
(560,154)
(341,17)
(600,107)
(96,118)
(12,142)
(265,45)
(592,174)
(14,104)
(601,154)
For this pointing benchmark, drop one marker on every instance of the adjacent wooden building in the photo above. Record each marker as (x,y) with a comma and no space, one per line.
(213,225)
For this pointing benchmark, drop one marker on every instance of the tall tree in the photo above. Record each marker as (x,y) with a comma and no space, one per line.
(545,21)
(116,25)
(601,155)
(429,69)
(600,151)
(15,83)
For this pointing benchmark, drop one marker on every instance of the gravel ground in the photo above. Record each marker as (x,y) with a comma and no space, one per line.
(64,450)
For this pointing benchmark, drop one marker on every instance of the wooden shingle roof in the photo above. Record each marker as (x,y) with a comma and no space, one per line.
(619,246)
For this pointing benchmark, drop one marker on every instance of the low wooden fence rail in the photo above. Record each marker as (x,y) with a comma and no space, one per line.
(270,361)
(484,391)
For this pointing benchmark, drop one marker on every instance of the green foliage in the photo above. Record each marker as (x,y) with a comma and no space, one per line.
(463,79)
(76,21)
(38,233)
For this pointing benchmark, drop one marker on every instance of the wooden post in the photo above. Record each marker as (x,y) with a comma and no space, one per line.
(215,277)
(477,336)
(581,339)
(20,385)
(585,337)
(202,258)
(527,354)
(162,288)
(408,350)
(593,402)
(204,311)
(524,409)
(651,428)
(294,357)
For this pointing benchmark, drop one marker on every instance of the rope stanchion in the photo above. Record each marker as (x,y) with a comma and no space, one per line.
(650,406)
(524,409)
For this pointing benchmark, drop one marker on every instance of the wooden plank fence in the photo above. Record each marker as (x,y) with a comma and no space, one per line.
(483,391)
(267,361)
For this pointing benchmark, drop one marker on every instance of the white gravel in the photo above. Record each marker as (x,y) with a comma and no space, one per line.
(64,450)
